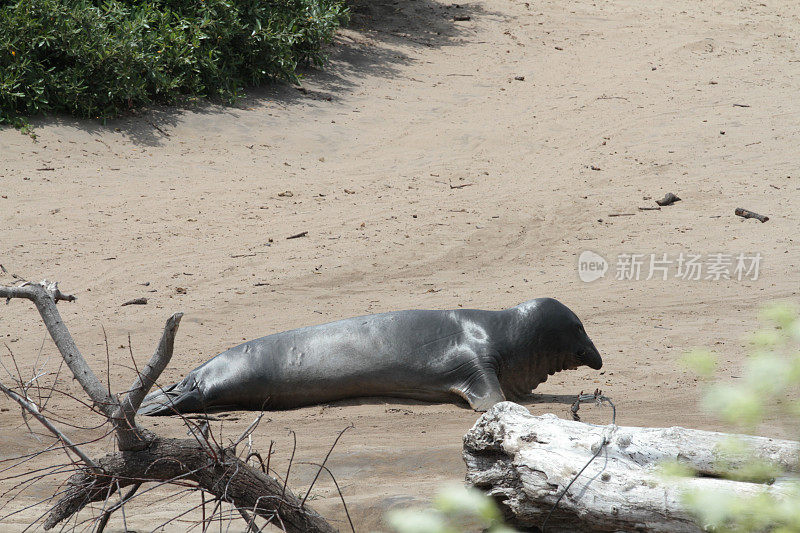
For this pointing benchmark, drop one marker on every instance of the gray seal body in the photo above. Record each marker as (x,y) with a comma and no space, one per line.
(482,357)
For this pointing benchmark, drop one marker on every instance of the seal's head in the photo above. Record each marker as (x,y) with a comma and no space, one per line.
(558,333)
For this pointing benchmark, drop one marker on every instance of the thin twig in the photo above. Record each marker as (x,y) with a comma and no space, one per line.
(101,525)
(339,436)
(46,423)
(291,459)
(341,495)
(249,430)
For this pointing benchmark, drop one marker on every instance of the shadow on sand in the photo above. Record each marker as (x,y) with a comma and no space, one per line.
(367,46)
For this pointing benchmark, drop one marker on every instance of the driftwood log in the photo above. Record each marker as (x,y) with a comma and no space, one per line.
(524,462)
(143,457)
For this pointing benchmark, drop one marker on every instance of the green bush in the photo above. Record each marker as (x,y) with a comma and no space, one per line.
(100,58)
(770,384)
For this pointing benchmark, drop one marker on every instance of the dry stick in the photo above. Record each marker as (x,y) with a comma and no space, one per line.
(323,463)
(269,454)
(51,448)
(30,506)
(599,399)
(101,525)
(52,388)
(122,509)
(130,438)
(213,512)
(27,457)
(36,369)
(746,213)
(291,459)
(109,492)
(297,235)
(341,496)
(108,360)
(46,423)
(250,525)
(136,301)
(69,395)
(260,460)
(45,295)
(249,430)
(33,479)
(203,503)
(164,133)
(24,391)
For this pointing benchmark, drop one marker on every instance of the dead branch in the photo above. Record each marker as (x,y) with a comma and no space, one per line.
(129,438)
(746,213)
(34,411)
(144,457)
(45,295)
(101,524)
(339,436)
(136,301)
(170,460)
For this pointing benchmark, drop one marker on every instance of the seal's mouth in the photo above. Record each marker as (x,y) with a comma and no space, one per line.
(591,358)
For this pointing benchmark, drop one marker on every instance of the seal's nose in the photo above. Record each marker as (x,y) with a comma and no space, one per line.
(591,357)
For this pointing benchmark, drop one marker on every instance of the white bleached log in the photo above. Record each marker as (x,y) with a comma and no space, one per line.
(526,461)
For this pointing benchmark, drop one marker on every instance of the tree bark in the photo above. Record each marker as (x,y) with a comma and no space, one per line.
(172,460)
(526,461)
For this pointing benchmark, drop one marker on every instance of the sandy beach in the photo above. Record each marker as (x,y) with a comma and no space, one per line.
(434,164)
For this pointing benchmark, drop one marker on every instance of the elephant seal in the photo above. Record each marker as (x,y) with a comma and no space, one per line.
(482,357)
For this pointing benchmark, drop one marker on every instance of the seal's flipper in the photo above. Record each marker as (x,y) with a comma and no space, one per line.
(482,391)
(183,397)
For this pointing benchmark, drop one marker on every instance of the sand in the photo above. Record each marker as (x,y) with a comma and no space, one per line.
(426,176)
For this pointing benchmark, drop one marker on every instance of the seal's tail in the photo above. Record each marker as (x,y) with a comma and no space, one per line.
(182,397)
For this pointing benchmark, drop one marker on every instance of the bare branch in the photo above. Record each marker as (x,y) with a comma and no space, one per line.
(128,437)
(171,460)
(339,490)
(145,458)
(323,463)
(34,411)
(249,430)
(101,525)
(145,380)
(45,295)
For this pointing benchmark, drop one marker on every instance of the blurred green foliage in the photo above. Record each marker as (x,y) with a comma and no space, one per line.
(454,510)
(770,383)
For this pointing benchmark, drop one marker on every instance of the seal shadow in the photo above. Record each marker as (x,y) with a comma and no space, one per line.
(394,404)
(538,399)
(401,405)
